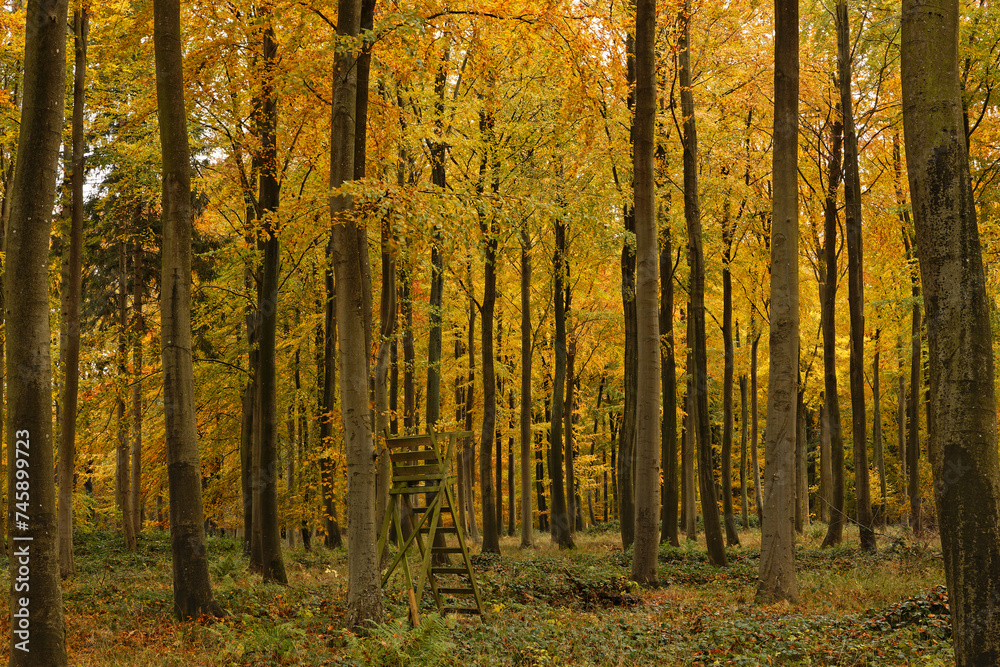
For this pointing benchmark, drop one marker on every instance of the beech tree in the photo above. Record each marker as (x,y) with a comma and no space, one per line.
(350,257)
(962,420)
(828,295)
(265,543)
(856,299)
(71,304)
(776,579)
(192,586)
(527,537)
(647,449)
(562,533)
(41,641)
(696,260)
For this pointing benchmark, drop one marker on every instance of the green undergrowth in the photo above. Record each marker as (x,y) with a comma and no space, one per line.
(544,606)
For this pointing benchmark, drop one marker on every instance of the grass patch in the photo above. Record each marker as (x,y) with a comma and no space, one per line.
(545,606)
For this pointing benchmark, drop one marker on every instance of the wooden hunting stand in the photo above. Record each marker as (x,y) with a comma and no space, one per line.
(419,466)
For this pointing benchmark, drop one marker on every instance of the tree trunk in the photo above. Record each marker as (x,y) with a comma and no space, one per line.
(138,332)
(460,419)
(614,465)
(856,300)
(692,214)
(647,442)
(668,389)
(31,494)
(877,446)
(627,431)
(835,529)
(572,502)
(901,414)
(744,497)
(688,489)
(327,462)
(409,355)
(438,152)
(560,518)
(598,419)
(913,402)
(801,479)
(71,373)
(732,537)
(825,469)
(192,586)
(902,206)
(777,557)
(468,458)
(387,334)
(387,305)
(512,407)
(962,426)
(364,592)
(527,515)
(744,434)
(491,538)
(265,544)
(498,435)
(123,477)
(754,412)
(543,515)
(246,444)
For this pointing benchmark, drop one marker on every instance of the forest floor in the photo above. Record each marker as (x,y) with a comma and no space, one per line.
(544,607)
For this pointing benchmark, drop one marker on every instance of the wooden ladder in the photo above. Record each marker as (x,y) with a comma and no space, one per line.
(419,466)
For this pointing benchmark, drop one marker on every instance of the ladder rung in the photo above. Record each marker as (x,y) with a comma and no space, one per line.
(410,490)
(409,441)
(418,478)
(461,610)
(428,469)
(423,455)
(456,591)
(440,529)
(449,570)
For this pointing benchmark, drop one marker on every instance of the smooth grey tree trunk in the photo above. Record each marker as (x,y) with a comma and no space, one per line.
(265,544)
(192,586)
(754,455)
(696,260)
(835,528)
(74,284)
(668,389)
(562,534)
(491,538)
(776,579)
(732,536)
(572,498)
(123,475)
(527,538)
(627,432)
(855,270)
(350,256)
(913,400)
(825,469)
(647,441)
(689,507)
(32,514)
(138,331)
(962,418)
(877,445)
